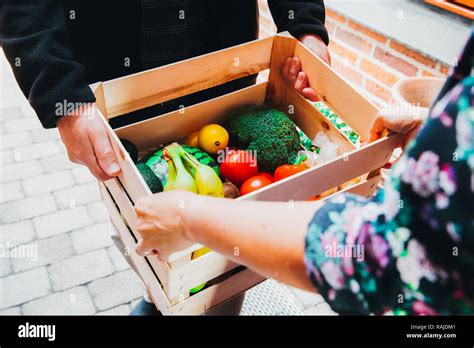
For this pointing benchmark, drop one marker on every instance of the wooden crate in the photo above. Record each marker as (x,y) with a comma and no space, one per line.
(169,282)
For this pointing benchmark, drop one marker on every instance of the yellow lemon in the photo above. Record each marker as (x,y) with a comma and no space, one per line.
(213,138)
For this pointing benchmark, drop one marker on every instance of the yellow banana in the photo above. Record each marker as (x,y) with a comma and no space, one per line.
(184,180)
(207,181)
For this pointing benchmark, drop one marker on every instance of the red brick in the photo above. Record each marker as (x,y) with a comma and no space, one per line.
(378,72)
(367,32)
(343,52)
(412,54)
(346,71)
(377,90)
(335,15)
(354,40)
(397,63)
(426,73)
(444,69)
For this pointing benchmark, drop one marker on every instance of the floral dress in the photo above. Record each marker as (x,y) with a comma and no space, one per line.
(410,249)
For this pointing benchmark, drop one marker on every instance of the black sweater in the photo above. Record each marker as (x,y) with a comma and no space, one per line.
(57,47)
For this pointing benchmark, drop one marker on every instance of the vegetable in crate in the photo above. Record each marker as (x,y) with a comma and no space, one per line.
(153,182)
(159,165)
(213,138)
(238,166)
(187,173)
(267,131)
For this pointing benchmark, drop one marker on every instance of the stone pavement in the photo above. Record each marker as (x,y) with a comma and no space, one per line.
(54,228)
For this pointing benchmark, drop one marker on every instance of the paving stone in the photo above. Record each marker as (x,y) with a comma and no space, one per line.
(42,135)
(79,194)
(119,310)
(20,170)
(11,113)
(20,232)
(5,264)
(22,125)
(307,298)
(23,287)
(48,182)
(15,140)
(11,191)
(49,251)
(6,157)
(80,269)
(82,175)
(117,289)
(56,163)
(39,150)
(98,212)
(75,301)
(320,309)
(93,237)
(27,208)
(61,221)
(11,311)
(118,260)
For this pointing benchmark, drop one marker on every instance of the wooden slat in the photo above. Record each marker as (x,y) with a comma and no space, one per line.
(311,121)
(151,87)
(198,271)
(126,210)
(325,176)
(143,268)
(355,109)
(178,124)
(283,48)
(129,175)
(366,188)
(218,293)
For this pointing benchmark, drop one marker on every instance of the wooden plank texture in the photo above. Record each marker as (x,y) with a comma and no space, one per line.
(151,87)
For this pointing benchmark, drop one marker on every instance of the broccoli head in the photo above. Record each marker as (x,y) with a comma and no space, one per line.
(268,132)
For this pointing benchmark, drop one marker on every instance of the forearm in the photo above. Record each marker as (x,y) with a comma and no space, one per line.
(268,237)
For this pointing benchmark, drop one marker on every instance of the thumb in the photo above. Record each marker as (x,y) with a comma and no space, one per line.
(144,249)
(103,150)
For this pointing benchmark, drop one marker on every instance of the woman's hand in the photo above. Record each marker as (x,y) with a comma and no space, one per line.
(161,224)
(402,119)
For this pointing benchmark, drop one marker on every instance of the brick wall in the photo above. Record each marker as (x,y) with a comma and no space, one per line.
(369,60)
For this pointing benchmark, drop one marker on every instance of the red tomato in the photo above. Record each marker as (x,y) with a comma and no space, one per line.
(238,166)
(253,184)
(266,175)
(287,170)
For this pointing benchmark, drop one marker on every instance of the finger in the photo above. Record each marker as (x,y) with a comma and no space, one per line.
(103,151)
(301,82)
(310,93)
(96,170)
(376,128)
(144,249)
(87,158)
(285,70)
(295,68)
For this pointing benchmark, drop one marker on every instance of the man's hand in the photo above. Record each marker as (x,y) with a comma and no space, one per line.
(295,77)
(87,142)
